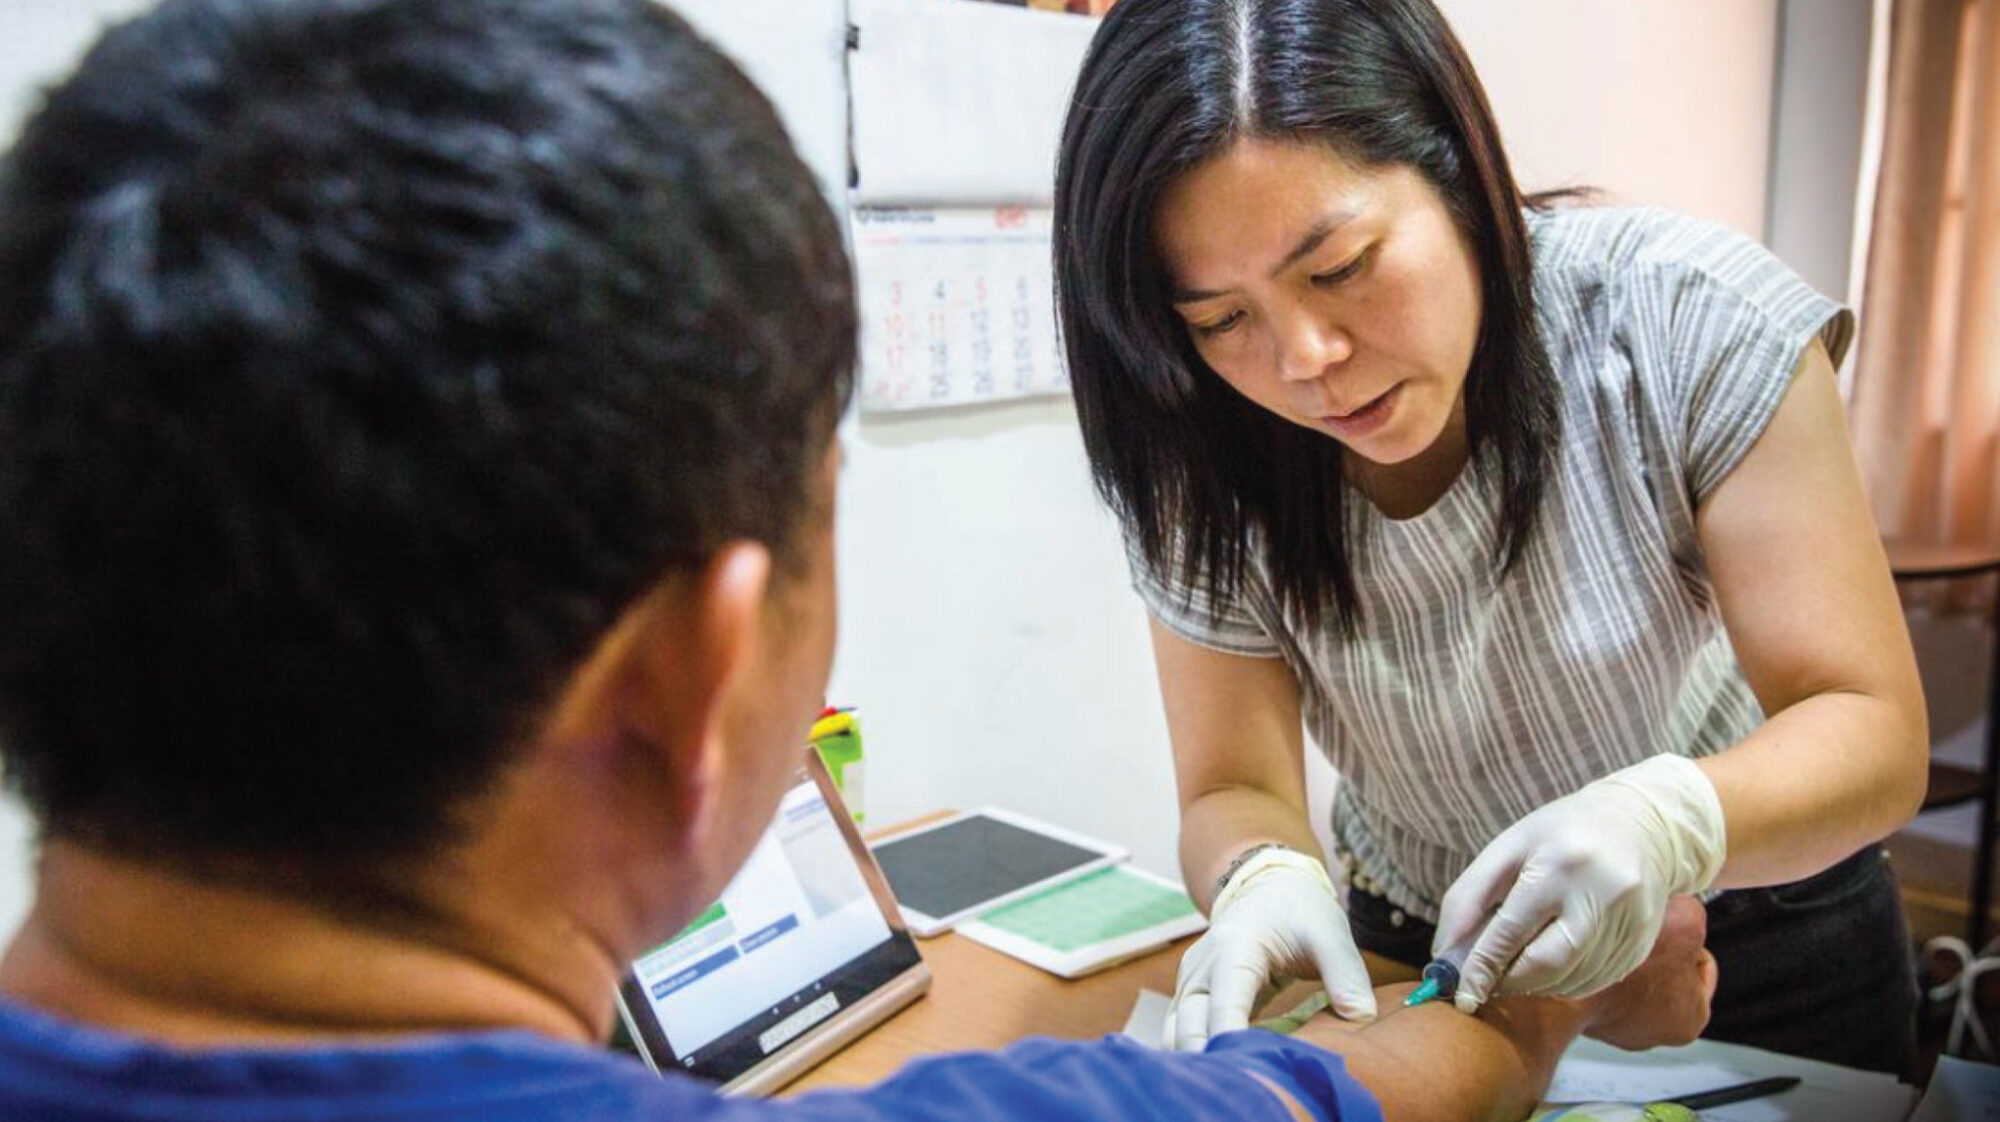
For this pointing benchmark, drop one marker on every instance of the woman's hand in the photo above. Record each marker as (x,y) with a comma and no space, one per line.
(1276,920)
(1577,890)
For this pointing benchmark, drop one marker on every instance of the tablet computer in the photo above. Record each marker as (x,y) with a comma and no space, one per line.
(947,870)
(804,952)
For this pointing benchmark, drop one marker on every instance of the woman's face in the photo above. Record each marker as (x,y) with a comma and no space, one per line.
(1339,297)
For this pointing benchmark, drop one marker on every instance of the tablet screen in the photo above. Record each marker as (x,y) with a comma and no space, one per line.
(963,864)
(796,937)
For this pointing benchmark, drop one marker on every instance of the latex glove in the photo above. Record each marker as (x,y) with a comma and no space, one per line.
(1278,918)
(1578,888)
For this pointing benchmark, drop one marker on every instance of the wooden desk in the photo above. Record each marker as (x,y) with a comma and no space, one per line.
(982,999)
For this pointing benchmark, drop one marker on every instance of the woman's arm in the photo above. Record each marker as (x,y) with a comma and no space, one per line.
(1239,760)
(1806,595)
(1561,900)
(1238,763)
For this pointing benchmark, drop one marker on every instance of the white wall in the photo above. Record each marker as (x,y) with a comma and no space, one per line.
(1822,101)
(1658,101)
(988,630)
(988,634)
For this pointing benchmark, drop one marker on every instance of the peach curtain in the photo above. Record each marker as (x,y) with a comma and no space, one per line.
(1926,397)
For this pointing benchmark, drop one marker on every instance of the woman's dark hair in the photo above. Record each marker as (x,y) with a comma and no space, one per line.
(361,361)
(1192,469)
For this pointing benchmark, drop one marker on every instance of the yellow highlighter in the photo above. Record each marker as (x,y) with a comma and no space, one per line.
(832,724)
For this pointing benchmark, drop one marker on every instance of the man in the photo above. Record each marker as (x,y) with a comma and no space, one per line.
(416,487)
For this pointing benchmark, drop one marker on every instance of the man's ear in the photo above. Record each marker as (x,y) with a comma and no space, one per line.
(692,668)
(661,684)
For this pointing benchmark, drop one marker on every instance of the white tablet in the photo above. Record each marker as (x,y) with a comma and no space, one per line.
(804,952)
(979,859)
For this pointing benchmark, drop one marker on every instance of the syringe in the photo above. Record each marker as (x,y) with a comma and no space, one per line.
(1440,978)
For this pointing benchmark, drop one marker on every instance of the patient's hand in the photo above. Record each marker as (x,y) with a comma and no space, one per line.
(1664,1001)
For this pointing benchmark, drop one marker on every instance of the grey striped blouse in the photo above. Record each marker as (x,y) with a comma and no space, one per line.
(1463,704)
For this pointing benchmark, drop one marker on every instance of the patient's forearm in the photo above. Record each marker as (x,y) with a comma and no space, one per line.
(1432,1063)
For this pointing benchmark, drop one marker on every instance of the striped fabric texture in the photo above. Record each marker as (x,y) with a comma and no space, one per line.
(1464,702)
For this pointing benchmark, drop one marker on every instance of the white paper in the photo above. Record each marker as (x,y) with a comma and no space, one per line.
(956,306)
(1149,1017)
(1591,1071)
(959,103)
(796,53)
(1961,1091)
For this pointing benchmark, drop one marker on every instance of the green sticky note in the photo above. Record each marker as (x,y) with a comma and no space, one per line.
(1106,904)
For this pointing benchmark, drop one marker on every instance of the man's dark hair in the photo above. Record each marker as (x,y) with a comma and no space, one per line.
(360,362)
(1191,468)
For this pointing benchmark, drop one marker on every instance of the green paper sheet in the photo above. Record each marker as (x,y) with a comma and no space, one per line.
(1090,909)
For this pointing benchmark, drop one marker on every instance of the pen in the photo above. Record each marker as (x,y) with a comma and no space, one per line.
(1723,1096)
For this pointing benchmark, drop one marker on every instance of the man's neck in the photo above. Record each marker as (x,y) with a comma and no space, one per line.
(136,948)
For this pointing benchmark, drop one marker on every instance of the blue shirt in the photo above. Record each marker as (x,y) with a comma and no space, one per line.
(56,1071)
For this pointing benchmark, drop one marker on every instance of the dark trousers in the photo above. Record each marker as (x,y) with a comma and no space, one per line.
(1819,968)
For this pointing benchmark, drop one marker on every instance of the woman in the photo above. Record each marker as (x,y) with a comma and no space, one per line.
(1543,519)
